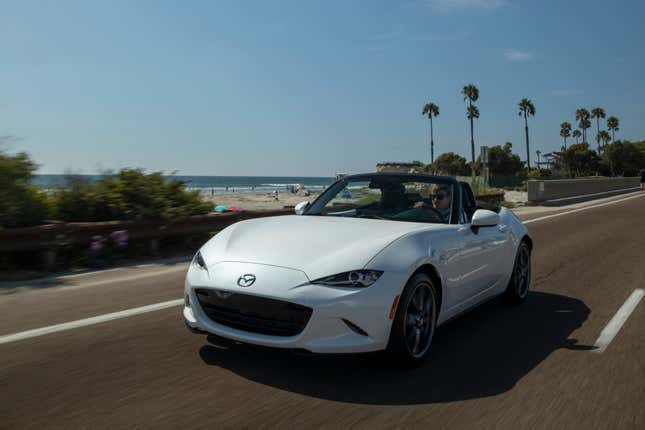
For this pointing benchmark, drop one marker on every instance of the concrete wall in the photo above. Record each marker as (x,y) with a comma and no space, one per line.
(540,191)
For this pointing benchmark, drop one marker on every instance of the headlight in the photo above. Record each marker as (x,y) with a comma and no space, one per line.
(355,278)
(198,260)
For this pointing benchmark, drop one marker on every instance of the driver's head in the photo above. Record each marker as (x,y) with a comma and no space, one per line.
(441,198)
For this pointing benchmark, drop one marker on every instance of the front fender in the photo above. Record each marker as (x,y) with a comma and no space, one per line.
(404,256)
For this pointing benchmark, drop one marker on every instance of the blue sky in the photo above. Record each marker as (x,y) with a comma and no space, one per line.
(304,87)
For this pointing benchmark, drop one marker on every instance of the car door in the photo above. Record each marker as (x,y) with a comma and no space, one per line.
(479,254)
(474,262)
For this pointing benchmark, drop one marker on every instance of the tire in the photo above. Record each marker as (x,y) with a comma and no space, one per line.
(415,321)
(518,287)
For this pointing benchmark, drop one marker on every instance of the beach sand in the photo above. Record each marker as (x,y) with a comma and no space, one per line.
(260,201)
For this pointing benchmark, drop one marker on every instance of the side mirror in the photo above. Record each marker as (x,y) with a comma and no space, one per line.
(302,207)
(484,218)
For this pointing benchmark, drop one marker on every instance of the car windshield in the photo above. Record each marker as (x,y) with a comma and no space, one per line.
(387,197)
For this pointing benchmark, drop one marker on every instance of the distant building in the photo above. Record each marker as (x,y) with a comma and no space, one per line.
(553,162)
(401,167)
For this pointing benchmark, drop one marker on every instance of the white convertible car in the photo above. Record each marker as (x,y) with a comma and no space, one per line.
(377,262)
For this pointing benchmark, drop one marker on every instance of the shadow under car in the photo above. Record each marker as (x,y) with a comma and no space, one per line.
(483,353)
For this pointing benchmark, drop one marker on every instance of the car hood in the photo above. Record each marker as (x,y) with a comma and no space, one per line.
(317,245)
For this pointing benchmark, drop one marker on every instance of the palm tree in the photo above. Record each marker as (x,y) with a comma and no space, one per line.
(471,93)
(431,110)
(565,131)
(603,137)
(584,125)
(576,134)
(612,124)
(472,113)
(526,109)
(597,113)
(582,116)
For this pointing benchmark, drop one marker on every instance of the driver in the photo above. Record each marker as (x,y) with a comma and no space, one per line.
(429,212)
(441,201)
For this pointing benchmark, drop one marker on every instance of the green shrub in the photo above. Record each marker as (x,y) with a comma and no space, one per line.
(539,173)
(21,204)
(128,195)
(623,158)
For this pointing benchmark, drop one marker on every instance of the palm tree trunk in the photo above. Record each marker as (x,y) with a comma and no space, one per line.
(565,143)
(472,149)
(431,142)
(598,132)
(613,138)
(526,131)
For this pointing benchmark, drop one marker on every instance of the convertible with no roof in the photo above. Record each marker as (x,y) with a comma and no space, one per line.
(377,262)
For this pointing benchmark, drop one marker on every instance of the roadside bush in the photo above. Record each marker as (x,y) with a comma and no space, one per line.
(21,204)
(623,158)
(539,173)
(450,164)
(579,160)
(128,195)
(503,162)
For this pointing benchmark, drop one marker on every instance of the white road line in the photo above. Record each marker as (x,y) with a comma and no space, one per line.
(542,218)
(613,326)
(88,321)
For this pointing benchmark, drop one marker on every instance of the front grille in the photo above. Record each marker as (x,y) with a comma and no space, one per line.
(252,313)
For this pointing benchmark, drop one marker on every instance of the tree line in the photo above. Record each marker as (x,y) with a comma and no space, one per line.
(470,94)
(576,161)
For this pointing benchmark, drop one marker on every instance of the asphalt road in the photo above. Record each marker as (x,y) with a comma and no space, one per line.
(531,366)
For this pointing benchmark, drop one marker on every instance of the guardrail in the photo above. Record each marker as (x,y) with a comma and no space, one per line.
(50,237)
(564,190)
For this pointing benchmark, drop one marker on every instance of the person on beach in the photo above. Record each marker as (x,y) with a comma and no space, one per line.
(642,179)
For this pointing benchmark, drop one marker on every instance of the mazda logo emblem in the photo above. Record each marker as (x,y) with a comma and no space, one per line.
(246,280)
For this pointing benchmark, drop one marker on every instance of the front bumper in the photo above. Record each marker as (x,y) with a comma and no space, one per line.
(326,331)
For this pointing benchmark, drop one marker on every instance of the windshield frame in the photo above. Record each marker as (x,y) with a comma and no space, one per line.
(337,186)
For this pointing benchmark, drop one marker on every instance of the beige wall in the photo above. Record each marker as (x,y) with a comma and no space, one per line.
(539,191)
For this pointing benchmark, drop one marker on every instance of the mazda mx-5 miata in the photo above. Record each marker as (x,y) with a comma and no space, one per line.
(377,262)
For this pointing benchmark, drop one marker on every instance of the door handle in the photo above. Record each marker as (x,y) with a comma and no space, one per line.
(503,228)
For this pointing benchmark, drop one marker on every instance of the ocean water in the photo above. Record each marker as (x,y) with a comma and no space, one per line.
(208,185)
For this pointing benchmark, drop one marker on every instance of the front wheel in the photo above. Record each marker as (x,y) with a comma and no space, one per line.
(518,287)
(415,321)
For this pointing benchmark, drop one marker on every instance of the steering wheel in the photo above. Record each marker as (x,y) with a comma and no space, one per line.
(435,212)
(362,213)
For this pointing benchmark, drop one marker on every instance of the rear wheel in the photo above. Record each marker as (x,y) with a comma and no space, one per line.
(518,287)
(415,321)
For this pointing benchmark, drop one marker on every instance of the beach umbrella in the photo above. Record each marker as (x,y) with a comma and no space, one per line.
(221,208)
(234,208)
